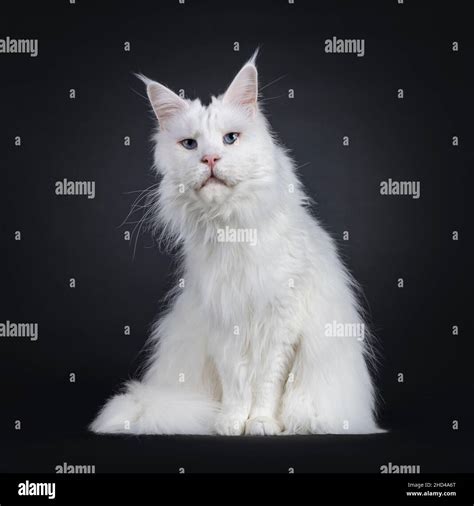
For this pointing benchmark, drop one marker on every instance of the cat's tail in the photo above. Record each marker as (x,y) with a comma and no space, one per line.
(146,409)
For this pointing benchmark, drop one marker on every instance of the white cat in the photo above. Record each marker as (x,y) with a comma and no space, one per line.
(251,343)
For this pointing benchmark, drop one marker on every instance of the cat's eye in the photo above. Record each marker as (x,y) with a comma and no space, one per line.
(231,137)
(189,143)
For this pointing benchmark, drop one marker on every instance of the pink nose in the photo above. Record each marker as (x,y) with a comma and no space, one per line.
(211,160)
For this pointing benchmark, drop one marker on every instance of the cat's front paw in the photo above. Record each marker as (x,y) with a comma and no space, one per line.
(230,424)
(262,426)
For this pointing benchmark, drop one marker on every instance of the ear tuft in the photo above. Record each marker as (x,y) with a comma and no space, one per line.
(253,58)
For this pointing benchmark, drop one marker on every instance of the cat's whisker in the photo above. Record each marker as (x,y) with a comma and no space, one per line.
(143,195)
(140,191)
(139,94)
(137,207)
(273,82)
(302,165)
(141,222)
(138,222)
(270,98)
(132,222)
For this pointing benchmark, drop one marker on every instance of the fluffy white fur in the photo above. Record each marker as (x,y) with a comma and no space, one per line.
(243,347)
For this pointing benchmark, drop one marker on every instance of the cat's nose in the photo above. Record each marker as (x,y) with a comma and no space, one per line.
(210,160)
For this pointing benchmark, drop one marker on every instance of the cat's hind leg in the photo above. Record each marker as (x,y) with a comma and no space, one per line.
(329,390)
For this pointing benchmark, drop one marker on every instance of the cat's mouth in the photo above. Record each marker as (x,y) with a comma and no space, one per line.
(213,180)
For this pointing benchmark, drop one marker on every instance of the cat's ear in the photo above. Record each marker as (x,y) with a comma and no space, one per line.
(243,90)
(165,102)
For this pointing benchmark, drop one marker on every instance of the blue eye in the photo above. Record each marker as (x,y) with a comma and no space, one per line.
(231,137)
(189,143)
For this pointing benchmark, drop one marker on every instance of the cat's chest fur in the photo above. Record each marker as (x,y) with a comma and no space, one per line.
(237,284)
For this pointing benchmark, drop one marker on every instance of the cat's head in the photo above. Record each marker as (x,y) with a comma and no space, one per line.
(214,158)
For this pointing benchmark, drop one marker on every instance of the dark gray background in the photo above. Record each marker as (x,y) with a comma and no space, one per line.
(191,46)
